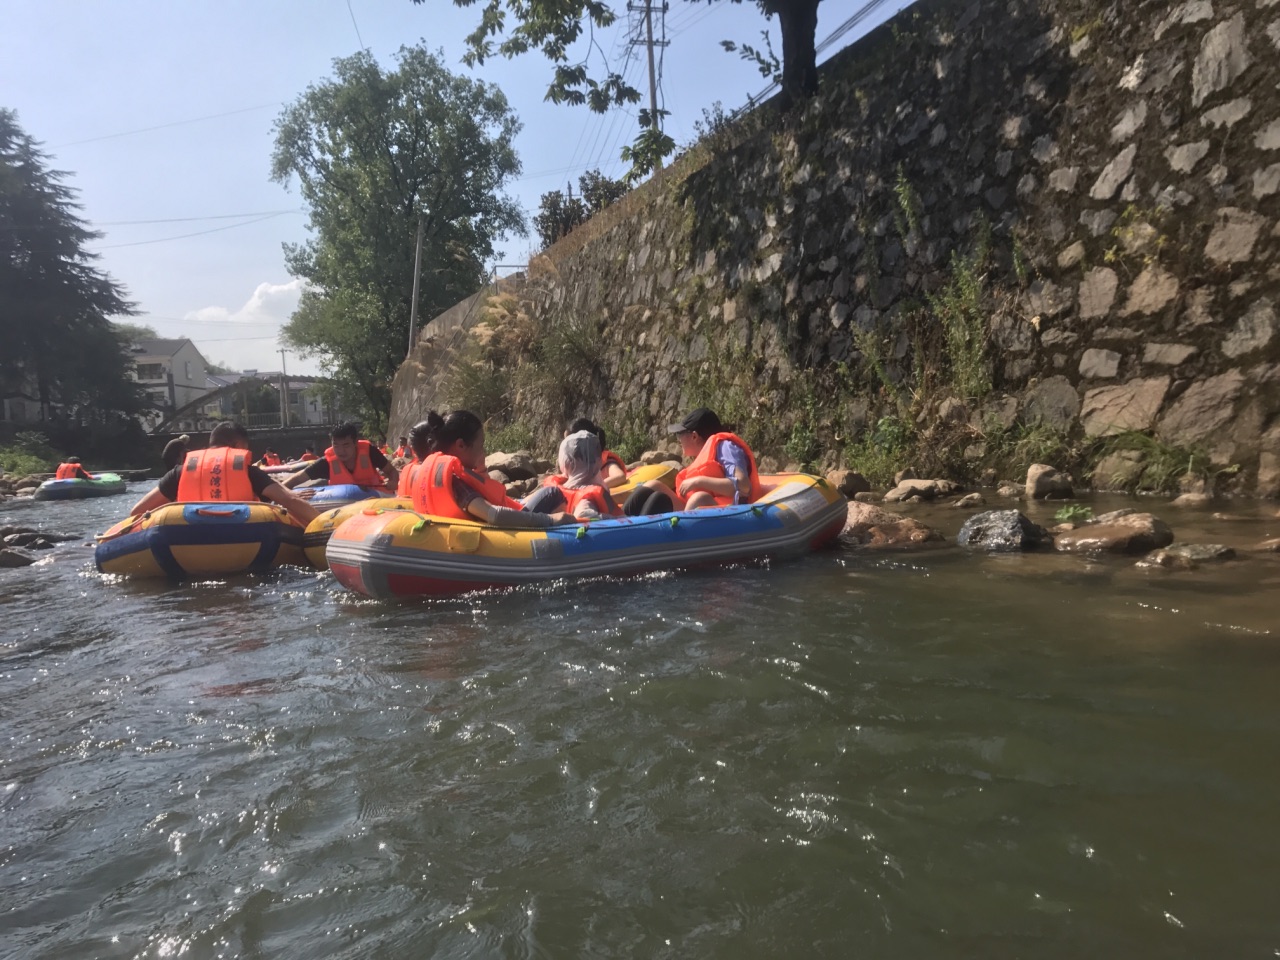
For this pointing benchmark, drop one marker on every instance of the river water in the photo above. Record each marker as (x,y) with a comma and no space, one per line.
(913,755)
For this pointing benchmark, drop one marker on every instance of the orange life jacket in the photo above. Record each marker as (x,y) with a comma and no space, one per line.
(218,474)
(597,496)
(400,451)
(271,459)
(363,475)
(609,457)
(433,487)
(706,465)
(308,456)
(405,487)
(70,471)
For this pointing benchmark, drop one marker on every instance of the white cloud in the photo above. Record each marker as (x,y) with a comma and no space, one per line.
(247,337)
(270,303)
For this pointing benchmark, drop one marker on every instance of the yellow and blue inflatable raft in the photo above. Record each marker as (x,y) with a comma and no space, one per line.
(184,540)
(401,553)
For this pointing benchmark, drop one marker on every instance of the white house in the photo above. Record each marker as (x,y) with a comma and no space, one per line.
(171,371)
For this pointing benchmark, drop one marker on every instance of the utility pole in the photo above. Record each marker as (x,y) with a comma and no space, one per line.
(284,393)
(413,307)
(650,43)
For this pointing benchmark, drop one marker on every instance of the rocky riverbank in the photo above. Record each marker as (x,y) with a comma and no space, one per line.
(1071,527)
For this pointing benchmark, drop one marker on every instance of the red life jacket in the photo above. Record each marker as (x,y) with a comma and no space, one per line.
(405,486)
(706,465)
(363,475)
(71,471)
(609,457)
(308,456)
(433,487)
(271,459)
(400,451)
(217,474)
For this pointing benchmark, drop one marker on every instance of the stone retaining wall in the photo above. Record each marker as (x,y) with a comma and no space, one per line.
(997,213)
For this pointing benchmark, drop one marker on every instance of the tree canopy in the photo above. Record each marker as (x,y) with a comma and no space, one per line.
(559,214)
(57,345)
(553,27)
(133,332)
(373,151)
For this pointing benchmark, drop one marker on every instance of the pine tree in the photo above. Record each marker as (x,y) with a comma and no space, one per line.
(57,345)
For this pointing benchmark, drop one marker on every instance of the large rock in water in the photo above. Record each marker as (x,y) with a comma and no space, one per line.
(1002,531)
(15,558)
(870,526)
(921,490)
(1129,533)
(1046,483)
(848,482)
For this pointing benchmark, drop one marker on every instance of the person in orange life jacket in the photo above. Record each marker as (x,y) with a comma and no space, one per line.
(723,471)
(613,470)
(402,448)
(349,460)
(309,453)
(270,458)
(204,474)
(71,470)
(420,446)
(452,482)
(579,488)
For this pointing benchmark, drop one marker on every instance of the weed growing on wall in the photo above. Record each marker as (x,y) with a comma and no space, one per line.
(882,451)
(510,438)
(1012,449)
(960,308)
(1162,465)
(907,213)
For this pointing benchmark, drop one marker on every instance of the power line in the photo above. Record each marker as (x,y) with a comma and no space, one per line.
(220,216)
(356,25)
(165,126)
(184,236)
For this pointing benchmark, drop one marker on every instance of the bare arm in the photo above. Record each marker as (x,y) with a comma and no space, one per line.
(152,500)
(485,511)
(298,508)
(614,475)
(293,479)
(391,474)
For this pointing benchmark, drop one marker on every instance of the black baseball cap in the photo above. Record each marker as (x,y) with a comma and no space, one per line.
(701,421)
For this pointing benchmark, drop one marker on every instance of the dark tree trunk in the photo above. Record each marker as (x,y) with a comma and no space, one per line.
(799,22)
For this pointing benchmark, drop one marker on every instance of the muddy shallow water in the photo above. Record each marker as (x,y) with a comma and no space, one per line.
(918,754)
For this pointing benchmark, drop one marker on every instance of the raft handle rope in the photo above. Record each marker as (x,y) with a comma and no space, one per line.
(673,519)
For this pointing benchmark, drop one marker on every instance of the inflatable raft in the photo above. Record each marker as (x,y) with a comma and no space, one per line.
(102,485)
(402,553)
(316,540)
(183,540)
(341,494)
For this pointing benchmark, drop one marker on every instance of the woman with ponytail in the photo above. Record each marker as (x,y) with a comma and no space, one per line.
(452,481)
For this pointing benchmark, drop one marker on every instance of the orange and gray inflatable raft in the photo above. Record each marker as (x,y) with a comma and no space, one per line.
(315,540)
(401,553)
(183,540)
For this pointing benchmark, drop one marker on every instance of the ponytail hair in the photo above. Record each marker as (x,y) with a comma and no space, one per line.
(586,423)
(443,431)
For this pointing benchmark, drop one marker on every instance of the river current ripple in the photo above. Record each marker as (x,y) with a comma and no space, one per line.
(917,755)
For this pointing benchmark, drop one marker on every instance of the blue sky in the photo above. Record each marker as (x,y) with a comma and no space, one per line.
(161,110)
